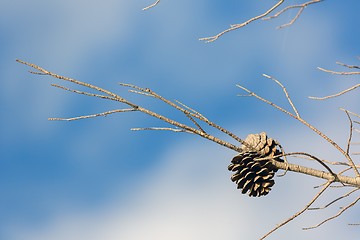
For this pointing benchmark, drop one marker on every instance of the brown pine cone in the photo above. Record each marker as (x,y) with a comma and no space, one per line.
(253,176)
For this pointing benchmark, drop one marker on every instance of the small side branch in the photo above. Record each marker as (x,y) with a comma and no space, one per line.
(336,94)
(350,133)
(298,213)
(301,8)
(237,26)
(335,216)
(160,128)
(93,115)
(321,134)
(152,5)
(334,201)
(286,94)
(339,73)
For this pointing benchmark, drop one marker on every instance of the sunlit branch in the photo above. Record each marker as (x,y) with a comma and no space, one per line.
(347,156)
(286,94)
(93,115)
(160,128)
(335,216)
(298,213)
(301,9)
(237,26)
(335,200)
(152,5)
(338,73)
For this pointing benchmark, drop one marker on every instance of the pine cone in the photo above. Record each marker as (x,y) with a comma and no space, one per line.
(252,175)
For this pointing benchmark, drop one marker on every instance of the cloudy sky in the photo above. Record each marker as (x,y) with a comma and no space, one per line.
(95,179)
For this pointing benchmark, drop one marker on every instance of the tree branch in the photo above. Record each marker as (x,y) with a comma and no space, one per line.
(321,134)
(237,26)
(298,213)
(301,9)
(152,5)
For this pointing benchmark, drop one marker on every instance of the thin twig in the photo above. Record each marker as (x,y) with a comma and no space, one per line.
(338,73)
(286,94)
(237,26)
(298,213)
(337,94)
(355,114)
(152,5)
(191,109)
(348,66)
(83,93)
(335,200)
(93,115)
(351,131)
(335,216)
(301,9)
(160,128)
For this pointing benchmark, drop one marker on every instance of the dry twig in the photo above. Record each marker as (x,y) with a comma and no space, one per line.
(335,200)
(264,16)
(240,25)
(298,213)
(335,216)
(301,9)
(152,5)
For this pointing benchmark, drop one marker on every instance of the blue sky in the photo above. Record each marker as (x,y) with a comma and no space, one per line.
(96,179)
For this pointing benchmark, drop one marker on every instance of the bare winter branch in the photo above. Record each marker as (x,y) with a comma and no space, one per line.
(332,142)
(93,115)
(339,73)
(237,26)
(337,94)
(335,216)
(298,213)
(301,8)
(152,5)
(286,94)
(335,200)
(118,98)
(160,128)
(198,120)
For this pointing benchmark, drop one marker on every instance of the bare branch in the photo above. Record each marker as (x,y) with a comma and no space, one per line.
(82,92)
(347,156)
(237,26)
(335,216)
(191,110)
(298,213)
(160,128)
(301,9)
(338,73)
(146,111)
(185,128)
(348,66)
(152,5)
(334,201)
(337,94)
(352,113)
(93,115)
(286,94)
(186,112)
(351,131)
